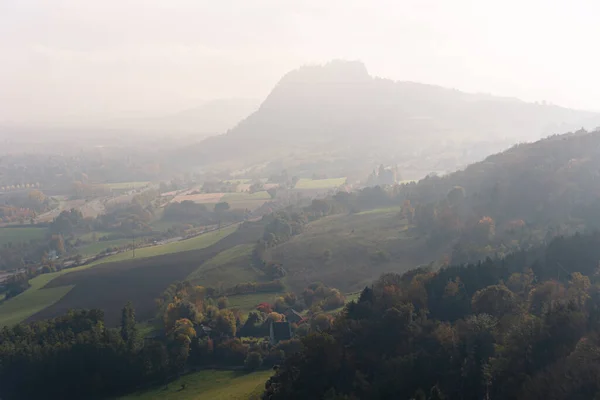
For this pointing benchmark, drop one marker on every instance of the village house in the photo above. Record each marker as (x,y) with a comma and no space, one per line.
(279,331)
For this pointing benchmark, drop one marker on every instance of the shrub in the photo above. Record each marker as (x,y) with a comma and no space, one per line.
(231,352)
(253,361)
(223,302)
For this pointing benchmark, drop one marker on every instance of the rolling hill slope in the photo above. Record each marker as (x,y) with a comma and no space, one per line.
(348,251)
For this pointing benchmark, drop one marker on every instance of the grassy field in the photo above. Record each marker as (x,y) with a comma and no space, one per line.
(227,268)
(34,300)
(209,385)
(246,200)
(238,181)
(361,247)
(94,248)
(233,197)
(37,298)
(162,225)
(229,256)
(124,185)
(319,183)
(387,210)
(21,235)
(248,302)
(236,200)
(198,242)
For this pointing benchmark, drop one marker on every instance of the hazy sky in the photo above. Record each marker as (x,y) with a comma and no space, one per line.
(100,57)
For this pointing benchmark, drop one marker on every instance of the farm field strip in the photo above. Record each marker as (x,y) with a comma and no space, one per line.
(248,302)
(91,249)
(124,185)
(22,306)
(195,243)
(395,209)
(262,195)
(236,200)
(225,257)
(305,183)
(240,181)
(37,298)
(200,198)
(21,235)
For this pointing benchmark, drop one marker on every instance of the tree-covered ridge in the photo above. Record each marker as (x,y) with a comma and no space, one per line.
(522,327)
(551,180)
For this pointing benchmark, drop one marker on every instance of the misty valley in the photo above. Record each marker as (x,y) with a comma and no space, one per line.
(345,237)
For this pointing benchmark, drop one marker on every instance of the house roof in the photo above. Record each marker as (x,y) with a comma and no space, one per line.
(292,311)
(282,331)
(292,315)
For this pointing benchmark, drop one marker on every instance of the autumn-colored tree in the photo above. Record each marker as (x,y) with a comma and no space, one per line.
(545,296)
(515,225)
(58,243)
(264,308)
(275,317)
(520,283)
(456,196)
(197,296)
(578,288)
(334,299)
(449,220)
(253,361)
(179,309)
(321,322)
(308,295)
(36,198)
(221,207)
(223,302)
(496,300)
(183,331)
(225,323)
(485,229)
(425,216)
(128,326)
(290,298)
(407,211)
(181,336)
(280,305)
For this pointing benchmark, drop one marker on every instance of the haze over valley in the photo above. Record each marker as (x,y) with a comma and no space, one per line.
(312,200)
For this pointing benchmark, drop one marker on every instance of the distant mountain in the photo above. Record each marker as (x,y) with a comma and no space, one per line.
(339,112)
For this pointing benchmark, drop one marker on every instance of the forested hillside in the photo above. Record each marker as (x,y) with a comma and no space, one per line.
(522,327)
